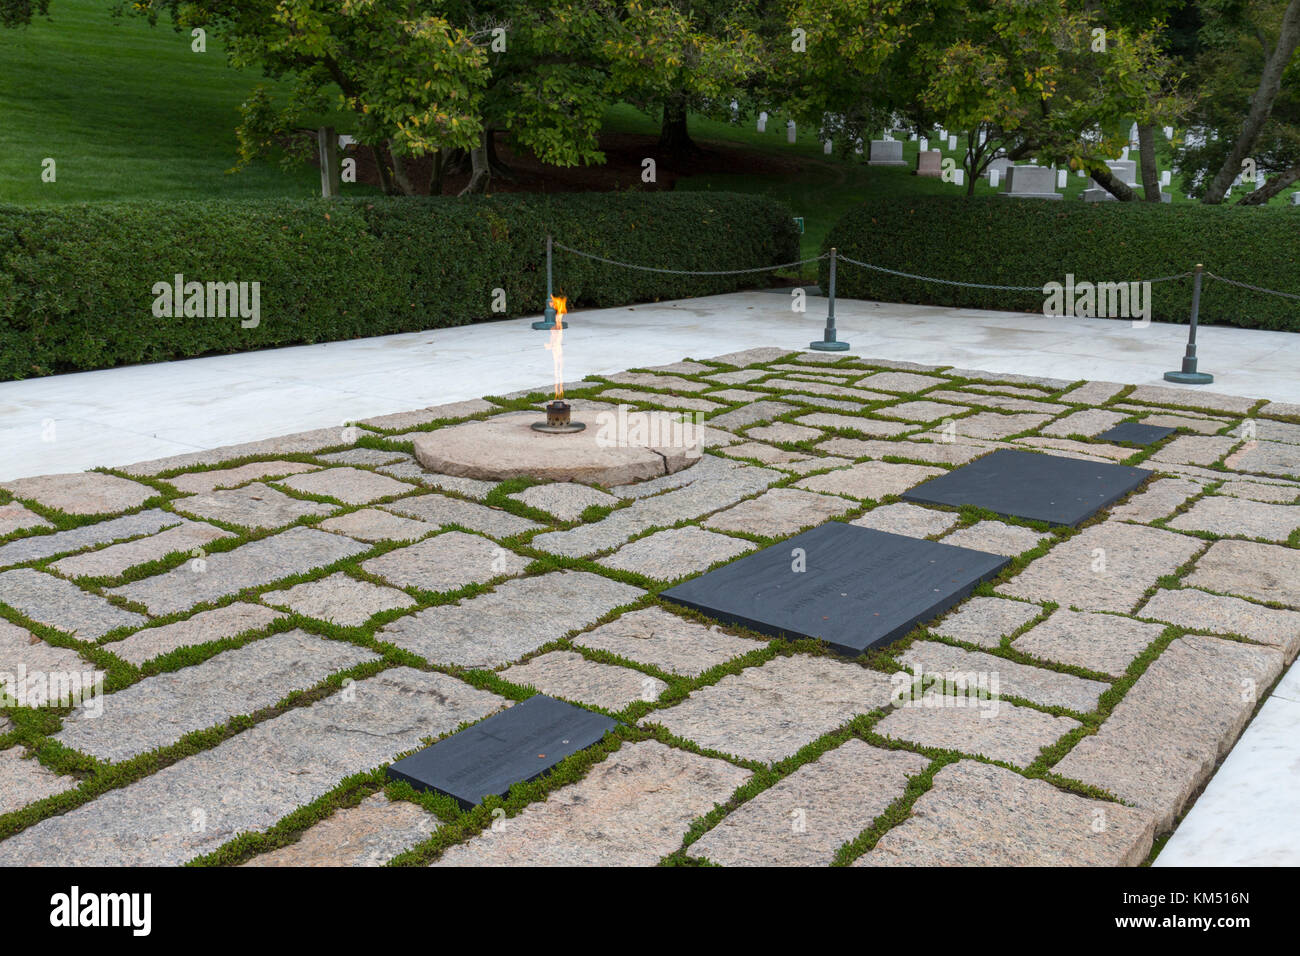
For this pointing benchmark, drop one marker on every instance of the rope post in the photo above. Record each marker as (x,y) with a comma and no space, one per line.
(828,342)
(548,321)
(1188,375)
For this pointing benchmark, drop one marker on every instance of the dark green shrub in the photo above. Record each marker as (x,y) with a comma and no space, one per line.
(1027,242)
(76,281)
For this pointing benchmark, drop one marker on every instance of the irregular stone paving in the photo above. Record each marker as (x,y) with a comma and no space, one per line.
(160,710)
(257,563)
(515,618)
(981,815)
(767,713)
(570,675)
(807,816)
(369,834)
(247,783)
(630,810)
(1191,585)
(1163,739)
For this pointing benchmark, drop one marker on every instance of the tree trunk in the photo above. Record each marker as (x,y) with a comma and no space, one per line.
(1261,104)
(498,169)
(1104,178)
(1147,162)
(437,163)
(1271,188)
(481,172)
(385,175)
(674,138)
(402,176)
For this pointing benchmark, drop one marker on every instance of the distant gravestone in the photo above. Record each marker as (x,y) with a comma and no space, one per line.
(854,588)
(929,164)
(923,144)
(1031,182)
(826,147)
(762,122)
(1031,485)
(1125,170)
(1000,165)
(1169,132)
(857,146)
(886,152)
(517,745)
(995,177)
(1295,199)
(1062,176)
(952,141)
(789,131)
(1166,178)
(1096,194)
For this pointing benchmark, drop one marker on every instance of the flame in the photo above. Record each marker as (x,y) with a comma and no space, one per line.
(556,345)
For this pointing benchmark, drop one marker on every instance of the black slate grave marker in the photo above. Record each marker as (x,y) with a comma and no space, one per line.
(1135,433)
(1022,484)
(515,746)
(860,588)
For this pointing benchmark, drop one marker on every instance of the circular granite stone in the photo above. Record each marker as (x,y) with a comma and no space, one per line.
(616,448)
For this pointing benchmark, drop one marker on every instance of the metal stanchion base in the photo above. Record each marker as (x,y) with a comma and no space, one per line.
(824,346)
(1189,378)
(547,323)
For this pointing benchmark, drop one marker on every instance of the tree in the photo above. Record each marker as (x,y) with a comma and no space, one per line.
(20,13)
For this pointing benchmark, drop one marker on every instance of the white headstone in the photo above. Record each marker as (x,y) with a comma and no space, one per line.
(923,145)
(789,131)
(1133,134)
(943,133)
(1295,198)
(857,146)
(1124,153)
(345,141)
(886,152)
(1169,132)
(1061,177)
(1125,170)
(1031,182)
(735,107)
(1081,173)
(959,177)
(995,177)
(762,122)
(911,137)
(826,147)
(952,140)
(984,135)
(1166,178)
(1000,165)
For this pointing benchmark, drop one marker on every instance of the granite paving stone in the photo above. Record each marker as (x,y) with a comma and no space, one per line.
(855,423)
(160,710)
(1254,490)
(352,486)
(1163,739)
(631,809)
(741,377)
(1264,572)
(908,519)
(920,411)
(750,414)
(789,385)
(296,443)
(1281,408)
(1078,448)
(870,479)
(17,517)
(700,497)
(1037,684)
(808,465)
(977,375)
(1190,398)
(369,834)
(782,432)
(672,383)
(488,630)
(674,644)
(986,620)
(996,537)
(1157,500)
(769,712)
(995,424)
(365,456)
(1278,431)
(977,814)
(1106,567)
(1004,402)
(258,563)
(19,648)
(566,500)
(257,506)
(684,367)
(944,453)
(1267,458)
(81,493)
(61,604)
(779,512)
(1105,643)
(413,471)
(1087,422)
(1202,426)
(214,625)
(442,510)
(24,780)
(1201,611)
(1093,393)
(806,817)
(206,482)
(38,547)
(1240,517)
(375,524)
(989,728)
(899,381)
(445,562)
(736,395)
(248,783)
(569,675)
(766,454)
(675,553)
(665,399)
(707,468)
(339,599)
(1195,449)
(423,416)
(117,558)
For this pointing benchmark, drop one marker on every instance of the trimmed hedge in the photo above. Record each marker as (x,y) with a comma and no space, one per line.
(76,281)
(1029,242)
